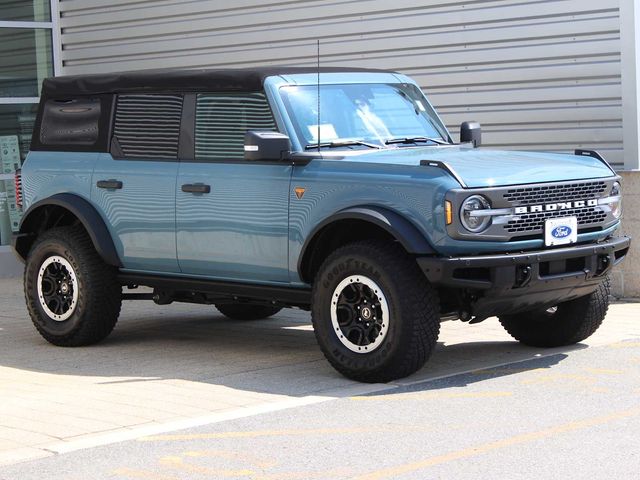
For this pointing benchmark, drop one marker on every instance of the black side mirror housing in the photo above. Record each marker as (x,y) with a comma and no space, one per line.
(470,132)
(265,146)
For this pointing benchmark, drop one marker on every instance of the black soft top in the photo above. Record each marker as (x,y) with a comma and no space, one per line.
(240,80)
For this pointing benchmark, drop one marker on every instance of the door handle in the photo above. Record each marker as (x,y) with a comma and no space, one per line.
(196,188)
(109,184)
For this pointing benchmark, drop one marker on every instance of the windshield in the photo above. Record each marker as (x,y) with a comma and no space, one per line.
(359,116)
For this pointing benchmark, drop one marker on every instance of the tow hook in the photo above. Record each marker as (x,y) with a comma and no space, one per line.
(603,264)
(523,276)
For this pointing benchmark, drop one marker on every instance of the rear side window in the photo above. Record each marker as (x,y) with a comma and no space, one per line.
(222,120)
(70,122)
(148,125)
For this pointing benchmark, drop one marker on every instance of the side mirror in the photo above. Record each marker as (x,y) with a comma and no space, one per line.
(470,132)
(265,146)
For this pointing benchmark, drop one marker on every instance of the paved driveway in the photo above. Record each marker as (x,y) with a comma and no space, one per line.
(179,366)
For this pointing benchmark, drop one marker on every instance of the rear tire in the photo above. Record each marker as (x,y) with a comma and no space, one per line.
(241,311)
(73,297)
(375,315)
(568,323)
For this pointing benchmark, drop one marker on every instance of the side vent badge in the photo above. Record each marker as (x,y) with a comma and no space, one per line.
(299,192)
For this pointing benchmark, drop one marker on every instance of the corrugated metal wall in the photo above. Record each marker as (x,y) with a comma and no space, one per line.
(541,75)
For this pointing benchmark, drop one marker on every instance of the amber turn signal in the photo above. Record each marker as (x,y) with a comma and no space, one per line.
(448,212)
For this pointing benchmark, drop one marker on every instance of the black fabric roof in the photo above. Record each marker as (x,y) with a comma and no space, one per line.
(241,80)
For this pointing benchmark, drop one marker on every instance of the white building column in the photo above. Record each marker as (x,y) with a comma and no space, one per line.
(630,51)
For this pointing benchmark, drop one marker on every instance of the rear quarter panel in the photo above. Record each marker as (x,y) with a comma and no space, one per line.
(46,173)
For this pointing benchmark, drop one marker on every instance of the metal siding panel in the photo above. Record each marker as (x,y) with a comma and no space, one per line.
(300,21)
(537,74)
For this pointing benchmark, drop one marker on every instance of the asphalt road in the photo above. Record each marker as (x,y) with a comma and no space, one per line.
(566,416)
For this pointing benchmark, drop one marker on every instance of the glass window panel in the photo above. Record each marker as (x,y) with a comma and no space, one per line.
(16,127)
(373,113)
(25,10)
(18,120)
(26,59)
(222,119)
(148,125)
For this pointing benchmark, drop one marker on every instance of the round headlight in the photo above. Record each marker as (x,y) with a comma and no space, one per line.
(470,220)
(616,203)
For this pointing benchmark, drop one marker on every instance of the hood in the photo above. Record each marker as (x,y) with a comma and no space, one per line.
(492,168)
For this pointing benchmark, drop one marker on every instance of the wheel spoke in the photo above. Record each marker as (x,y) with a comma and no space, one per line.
(373,331)
(66,303)
(356,335)
(48,286)
(351,294)
(367,293)
(346,314)
(54,304)
(57,270)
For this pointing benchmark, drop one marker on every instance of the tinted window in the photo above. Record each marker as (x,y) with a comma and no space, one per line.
(70,122)
(148,125)
(223,119)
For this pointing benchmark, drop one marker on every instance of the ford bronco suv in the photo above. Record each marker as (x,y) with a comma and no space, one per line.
(336,191)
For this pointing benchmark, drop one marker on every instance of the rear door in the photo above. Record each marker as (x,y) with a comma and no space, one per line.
(134,185)
(232,215)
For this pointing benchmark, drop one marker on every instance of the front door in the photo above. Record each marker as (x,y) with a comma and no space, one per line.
(232,215)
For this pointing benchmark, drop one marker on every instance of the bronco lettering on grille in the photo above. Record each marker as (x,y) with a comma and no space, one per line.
(550,207)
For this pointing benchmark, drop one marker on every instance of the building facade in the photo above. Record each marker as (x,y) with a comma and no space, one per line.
(540,75)
(27,33)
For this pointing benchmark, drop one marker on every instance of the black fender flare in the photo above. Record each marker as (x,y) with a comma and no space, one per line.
(84,212)
(403,230)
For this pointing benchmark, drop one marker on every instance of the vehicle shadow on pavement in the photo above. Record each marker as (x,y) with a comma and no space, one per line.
(475,376)
(195,343)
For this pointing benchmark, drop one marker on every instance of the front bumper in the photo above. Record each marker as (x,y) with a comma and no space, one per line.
(514,282)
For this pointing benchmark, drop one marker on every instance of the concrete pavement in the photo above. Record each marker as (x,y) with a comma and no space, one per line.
(179,366)
(563,416)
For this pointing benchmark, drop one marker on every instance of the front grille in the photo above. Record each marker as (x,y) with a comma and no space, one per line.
(554,193)
(533,222)
(538,202)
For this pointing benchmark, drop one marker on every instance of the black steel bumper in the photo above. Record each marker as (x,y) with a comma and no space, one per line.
(513,282)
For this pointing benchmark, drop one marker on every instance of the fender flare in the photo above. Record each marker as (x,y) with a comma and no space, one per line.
(84,212)
(403,230)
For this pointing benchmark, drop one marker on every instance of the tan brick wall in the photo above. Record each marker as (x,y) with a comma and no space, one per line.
(626,277)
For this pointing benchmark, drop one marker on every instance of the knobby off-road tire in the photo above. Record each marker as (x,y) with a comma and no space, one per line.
(375,316)
(239,311)
(570,322)
(73,297)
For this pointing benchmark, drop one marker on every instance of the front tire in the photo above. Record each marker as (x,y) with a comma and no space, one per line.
(568,323)
(375,316)
(73,297)
(240,311)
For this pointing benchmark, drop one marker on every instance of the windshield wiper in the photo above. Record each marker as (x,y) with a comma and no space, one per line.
(345,143)
(407,140)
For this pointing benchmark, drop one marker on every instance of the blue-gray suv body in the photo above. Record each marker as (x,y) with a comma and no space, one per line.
(338,191)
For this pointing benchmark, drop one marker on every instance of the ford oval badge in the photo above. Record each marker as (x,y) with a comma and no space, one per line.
(561,231)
